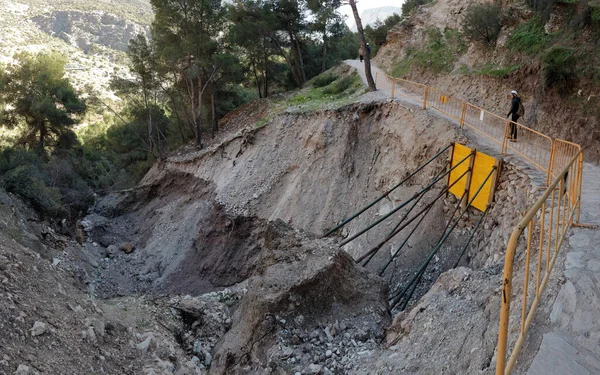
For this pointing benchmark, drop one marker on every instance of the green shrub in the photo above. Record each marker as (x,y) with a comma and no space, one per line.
(323,80)
(483,22)
(438,55)
(529,37)
(490,70)
(26,182)
(409,5)
(559,68)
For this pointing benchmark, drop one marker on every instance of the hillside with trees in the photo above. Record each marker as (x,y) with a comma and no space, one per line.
(101,117)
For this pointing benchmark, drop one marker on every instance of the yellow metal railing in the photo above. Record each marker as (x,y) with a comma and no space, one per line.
(542,230)
(547,222)
(535,147)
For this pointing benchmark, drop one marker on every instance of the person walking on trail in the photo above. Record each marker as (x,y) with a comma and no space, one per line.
(361,54)
(516,110)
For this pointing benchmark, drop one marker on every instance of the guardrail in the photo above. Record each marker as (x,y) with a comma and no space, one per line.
(545,224)
(537,148)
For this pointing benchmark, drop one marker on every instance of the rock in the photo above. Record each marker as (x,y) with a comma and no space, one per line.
(197,348)
(99,327)
(295,340)
(314,369)
(39,328)
(328,353)
(127,247)
(55,261)
(286,352)
(207,358)
(111,251)
(145,345)
(22,370)
(299,320)
(90,334)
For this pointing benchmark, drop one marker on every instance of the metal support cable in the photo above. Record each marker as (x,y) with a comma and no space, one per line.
(416,195)
(412,207)
(386,193)
(390,235)
(413,230)
(395,230)
(456,207)
(376,248)
(471,236)
(441,242)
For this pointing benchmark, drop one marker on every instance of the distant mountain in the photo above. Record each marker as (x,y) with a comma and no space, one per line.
(91,34)
(370,16)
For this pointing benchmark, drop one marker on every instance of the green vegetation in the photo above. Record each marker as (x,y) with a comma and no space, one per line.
(337,92)
(559,68)
(42,100)
(377,34)
(323,80)
(482,22)
(492,71)
(438,56)
(409,5)
(529,37)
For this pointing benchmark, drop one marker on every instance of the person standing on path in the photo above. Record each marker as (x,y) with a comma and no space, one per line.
(360,54)
(515,107)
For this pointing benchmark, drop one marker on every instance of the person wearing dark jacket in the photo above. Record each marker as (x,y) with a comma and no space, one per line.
(514,108)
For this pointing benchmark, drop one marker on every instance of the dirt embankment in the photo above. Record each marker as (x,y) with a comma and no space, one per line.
(568,117)
(312,171)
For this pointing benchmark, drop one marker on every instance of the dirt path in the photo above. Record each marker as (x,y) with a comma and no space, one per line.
(571,346)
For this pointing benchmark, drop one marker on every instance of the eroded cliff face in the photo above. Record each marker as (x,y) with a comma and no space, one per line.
(85,29)
(568,117)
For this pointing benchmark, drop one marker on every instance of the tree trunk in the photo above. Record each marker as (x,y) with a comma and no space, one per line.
(256,80)
(215,123)
(298,57)
(323,63)
(150,142)
(367,55)
(42,139)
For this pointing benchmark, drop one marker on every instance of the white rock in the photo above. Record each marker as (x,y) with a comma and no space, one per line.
(22,370)
(39,328)
(314,369)
(145,345)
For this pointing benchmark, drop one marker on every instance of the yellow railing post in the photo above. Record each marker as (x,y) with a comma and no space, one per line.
(504,367)
(425,97)
(505,139)
(462,116)
(579,185)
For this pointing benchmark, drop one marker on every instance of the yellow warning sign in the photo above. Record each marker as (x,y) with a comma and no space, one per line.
(482,166)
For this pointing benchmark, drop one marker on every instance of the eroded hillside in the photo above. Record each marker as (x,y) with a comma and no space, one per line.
(214,264)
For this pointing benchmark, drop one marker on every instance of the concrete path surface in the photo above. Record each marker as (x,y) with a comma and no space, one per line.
(572,346)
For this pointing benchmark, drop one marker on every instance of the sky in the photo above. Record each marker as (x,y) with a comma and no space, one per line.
(367,4)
